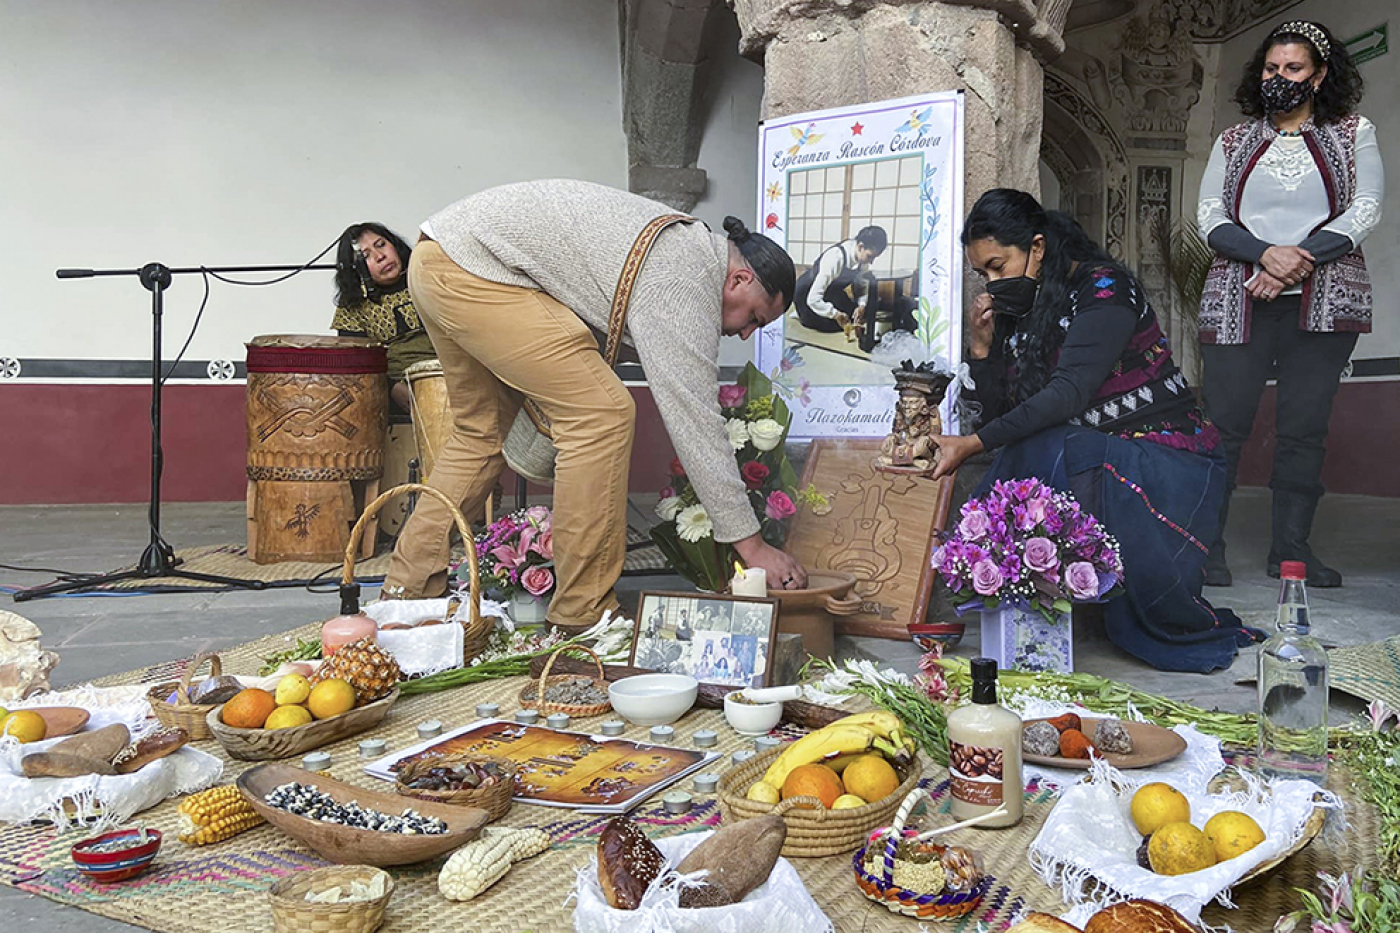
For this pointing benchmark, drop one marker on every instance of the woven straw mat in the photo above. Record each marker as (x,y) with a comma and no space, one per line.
(227,883)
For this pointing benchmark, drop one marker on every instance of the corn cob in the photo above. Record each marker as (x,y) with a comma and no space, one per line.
(214,815)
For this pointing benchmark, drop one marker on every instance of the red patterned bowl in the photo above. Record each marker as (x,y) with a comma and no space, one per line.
(116,856)
(926,634)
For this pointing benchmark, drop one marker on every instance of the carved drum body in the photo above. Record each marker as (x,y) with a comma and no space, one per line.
(317,409)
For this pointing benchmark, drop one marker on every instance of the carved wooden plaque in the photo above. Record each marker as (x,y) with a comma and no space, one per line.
(882,527)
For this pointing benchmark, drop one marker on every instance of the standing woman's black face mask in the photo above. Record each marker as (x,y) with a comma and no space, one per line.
(1280,95)
(1014,295)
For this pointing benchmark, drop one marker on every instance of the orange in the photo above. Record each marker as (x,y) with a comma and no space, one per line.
(331,697)
(285,717)
(248,709)
(1232,833)
(1157,804)
(25,725)
(814,781)
(870,777)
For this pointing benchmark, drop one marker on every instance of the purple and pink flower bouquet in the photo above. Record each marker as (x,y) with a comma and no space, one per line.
(1025,543)
(515,556)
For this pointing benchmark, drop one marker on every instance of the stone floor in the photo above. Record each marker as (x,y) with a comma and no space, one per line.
(98,635)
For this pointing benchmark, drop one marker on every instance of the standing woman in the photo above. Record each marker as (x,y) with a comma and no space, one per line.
(372,300)
(1075,383)
(1286,200)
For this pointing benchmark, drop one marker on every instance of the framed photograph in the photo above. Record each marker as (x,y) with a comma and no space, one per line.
(726,640)
(866,199)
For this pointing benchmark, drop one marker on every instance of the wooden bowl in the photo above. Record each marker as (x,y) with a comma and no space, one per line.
(1152,745)
(267,744)
(61,720)
(349,846)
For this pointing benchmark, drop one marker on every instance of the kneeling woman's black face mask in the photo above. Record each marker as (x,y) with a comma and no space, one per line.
(1014,295)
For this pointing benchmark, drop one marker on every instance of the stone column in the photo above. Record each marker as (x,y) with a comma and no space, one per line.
(829,53)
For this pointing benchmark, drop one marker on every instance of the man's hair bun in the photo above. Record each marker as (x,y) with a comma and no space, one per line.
(736,229)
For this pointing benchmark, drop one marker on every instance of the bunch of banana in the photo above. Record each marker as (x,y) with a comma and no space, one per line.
(840,743)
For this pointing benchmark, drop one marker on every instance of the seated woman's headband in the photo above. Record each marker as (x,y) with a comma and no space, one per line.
(1310,31)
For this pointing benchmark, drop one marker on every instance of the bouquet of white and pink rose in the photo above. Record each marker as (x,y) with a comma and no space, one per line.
(515,555)
(1026,543)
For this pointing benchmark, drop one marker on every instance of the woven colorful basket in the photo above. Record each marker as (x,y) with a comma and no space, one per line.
(880,887)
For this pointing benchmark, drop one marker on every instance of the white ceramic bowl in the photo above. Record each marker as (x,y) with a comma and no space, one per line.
(751,718)
(653,699)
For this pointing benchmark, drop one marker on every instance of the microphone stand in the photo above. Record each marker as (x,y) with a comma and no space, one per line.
(158,559)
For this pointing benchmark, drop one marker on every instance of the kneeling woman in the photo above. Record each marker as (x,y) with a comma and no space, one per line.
(1074,382)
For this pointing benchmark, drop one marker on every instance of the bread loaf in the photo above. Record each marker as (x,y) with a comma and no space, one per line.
(1035,922)
(628,862)
(148,748)
(1139,916)
(739,857)
(79,755)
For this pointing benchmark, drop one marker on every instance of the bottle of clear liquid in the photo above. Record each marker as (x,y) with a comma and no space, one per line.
(1293,688)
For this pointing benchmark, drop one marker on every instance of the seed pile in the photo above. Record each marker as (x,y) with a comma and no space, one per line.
(457,776)
(306,800)
(575,693)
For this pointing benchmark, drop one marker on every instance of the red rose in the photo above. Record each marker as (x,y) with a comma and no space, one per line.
(676,468)
(754,473)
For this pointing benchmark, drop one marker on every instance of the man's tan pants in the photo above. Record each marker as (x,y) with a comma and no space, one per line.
(496,343)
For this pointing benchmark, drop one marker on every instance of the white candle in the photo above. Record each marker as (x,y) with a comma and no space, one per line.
(750,582)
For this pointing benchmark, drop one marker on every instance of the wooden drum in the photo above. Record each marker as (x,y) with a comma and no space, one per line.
(317,410)
(432,415)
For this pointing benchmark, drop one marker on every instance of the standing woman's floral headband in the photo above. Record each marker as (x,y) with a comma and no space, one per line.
(1310,31)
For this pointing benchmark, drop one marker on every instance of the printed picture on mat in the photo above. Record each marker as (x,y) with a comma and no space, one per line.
(715,639)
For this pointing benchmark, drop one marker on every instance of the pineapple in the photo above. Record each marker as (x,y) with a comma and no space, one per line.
(368,668)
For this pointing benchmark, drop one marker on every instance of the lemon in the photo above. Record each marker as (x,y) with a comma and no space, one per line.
(331,698)
(292,689)
(3,713)
(24,725)
(1232,833)
(285,717)
(1157,804)
(762,792)
(848,802)
(1179,849)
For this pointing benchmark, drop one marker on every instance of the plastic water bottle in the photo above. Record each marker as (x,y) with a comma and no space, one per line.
(1293,688)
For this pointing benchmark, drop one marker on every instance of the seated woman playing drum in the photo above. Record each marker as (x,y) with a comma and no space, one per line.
(1075,382)
(372,300)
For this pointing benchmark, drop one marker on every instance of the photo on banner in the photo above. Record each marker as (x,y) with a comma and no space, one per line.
(724,640)
(867,200)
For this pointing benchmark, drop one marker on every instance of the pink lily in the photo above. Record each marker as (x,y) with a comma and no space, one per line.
(512,556)
(1378,713)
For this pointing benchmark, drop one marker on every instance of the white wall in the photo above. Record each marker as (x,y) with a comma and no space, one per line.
(1380,105)
(253,131)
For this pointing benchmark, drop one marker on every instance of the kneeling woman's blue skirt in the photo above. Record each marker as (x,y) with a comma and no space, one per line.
(1163,506)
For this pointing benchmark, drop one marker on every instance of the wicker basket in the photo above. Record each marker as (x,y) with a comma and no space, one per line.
(533,697)
(880,887)
(476,630)
(182,714)
(495,799)
(815,832)
(292,913)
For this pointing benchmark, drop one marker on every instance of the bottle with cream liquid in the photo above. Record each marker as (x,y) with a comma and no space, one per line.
(984,753)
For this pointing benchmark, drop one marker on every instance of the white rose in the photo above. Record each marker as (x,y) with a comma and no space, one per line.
(667,508)
(693,524)
(738,431)
(765,434)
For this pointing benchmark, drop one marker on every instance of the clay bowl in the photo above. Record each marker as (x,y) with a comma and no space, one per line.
(61,720)
(267,744)
(810,612)
(124,855)
(928,634)
(347,845)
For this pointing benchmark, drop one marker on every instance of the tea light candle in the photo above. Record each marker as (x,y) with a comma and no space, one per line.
(372,748)
(317,762)
(765,742)
(488,710)
(430,729)
(706,783)
(614,727)
(752,581)
(741,757)
(705,738)
(527,716)
(662,733)
(676,802)
(558,721)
